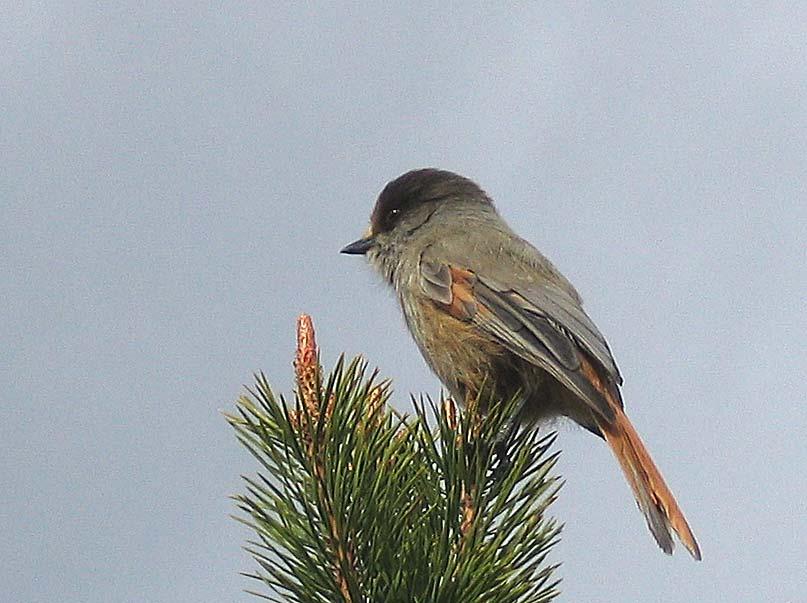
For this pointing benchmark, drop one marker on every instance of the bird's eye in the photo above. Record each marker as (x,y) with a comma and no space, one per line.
(387,219)
(392,216)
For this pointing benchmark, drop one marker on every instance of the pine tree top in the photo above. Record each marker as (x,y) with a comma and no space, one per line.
(357,503)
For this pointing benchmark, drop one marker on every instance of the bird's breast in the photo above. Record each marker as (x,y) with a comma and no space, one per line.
(461,357)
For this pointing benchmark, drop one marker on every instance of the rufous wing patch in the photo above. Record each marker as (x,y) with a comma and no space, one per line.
(463,304)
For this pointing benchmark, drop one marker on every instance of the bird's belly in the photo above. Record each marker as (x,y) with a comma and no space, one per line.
(461,358)
(470,364)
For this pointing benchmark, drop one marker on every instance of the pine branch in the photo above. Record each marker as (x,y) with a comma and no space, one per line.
(355,503)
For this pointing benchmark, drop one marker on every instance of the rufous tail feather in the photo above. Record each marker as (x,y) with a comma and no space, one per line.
(653,496)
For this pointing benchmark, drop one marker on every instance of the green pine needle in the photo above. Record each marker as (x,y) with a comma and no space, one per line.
(356,503)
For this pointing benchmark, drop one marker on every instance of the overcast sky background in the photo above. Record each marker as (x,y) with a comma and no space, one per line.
(176,184)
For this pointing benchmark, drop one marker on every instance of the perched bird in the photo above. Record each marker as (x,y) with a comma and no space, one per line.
(494,318)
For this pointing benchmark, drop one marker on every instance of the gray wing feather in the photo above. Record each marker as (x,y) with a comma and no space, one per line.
(435,279)
(541,323)
(566,316)
(538,339)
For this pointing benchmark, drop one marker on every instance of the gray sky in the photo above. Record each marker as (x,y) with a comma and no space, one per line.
(177,182)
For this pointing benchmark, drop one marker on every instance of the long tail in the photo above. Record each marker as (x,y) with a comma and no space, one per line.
(653,496)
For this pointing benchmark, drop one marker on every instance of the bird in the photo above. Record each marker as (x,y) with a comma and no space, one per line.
(494,319)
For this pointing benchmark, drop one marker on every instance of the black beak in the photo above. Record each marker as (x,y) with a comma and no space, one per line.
(359,247)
